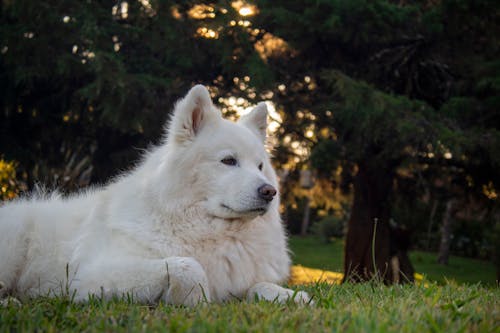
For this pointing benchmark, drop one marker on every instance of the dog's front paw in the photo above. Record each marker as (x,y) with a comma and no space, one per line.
(186,293)
(187,283)
(302,297)
(274,293)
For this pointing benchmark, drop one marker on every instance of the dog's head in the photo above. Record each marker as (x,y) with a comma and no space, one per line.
(222,165)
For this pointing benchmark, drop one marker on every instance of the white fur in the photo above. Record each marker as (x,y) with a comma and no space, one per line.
(183,226)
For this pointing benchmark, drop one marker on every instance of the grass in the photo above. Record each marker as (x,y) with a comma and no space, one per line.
(345,308)
(311,252)
(462,270)
(370,307)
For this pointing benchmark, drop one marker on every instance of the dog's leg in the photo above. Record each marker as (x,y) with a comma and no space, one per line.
(175,280)
(187,282)
(272,292)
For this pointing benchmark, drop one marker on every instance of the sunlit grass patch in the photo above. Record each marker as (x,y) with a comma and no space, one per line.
(305,275)
(301,275)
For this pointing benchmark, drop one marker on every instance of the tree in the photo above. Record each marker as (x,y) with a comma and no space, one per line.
(386,88)
(86,83)
(374,136)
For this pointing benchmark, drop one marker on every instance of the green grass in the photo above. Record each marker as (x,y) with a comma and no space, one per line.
(311,252)
(462,270)
(368,307)
(346,308)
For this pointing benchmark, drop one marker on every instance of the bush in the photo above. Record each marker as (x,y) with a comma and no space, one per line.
(9,187)
(472,238)
(329,227)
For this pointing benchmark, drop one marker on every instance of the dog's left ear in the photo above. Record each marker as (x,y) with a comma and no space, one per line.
(191,114)
(256,120)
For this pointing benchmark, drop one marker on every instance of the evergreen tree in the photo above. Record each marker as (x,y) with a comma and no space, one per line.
(396,85)
(84,82)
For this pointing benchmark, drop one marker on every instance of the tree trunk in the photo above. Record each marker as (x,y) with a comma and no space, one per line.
(444,246)
(306,218)
(496,249)
(431,222)
(372,189)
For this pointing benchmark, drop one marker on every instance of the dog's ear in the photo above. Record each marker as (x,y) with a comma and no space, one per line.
(256,120)
(191,115)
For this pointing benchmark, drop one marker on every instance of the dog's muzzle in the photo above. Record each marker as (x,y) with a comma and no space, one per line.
(266,192)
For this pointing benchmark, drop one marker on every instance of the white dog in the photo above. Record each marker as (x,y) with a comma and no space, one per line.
(196,221)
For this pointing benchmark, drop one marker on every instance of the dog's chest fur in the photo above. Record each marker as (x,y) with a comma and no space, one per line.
(235,255)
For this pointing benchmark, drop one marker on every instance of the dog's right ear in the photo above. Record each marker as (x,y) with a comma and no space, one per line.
(190,115)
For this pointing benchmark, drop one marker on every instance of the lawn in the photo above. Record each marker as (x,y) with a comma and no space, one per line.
(446,306)
(311,252)
(345,308)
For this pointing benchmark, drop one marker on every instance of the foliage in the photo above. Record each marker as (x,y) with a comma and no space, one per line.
(9,185)
(329,227)
(423,95)
(103,78)
(470,239)
(368,121)
(407,91)
(345,308)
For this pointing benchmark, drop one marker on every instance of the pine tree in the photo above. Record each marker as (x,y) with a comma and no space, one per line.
(395,86)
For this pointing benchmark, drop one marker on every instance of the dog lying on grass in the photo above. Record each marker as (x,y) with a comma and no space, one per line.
(197,220)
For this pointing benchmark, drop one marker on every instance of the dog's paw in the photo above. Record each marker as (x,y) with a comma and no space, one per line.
(186,294)
(274,293)
(10,301)
(2,288)
(187,282)
(303,298)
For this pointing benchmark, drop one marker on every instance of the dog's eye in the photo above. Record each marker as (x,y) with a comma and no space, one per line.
(229,161)
(261,166)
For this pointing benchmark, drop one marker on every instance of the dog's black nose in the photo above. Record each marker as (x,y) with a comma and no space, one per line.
(267,192)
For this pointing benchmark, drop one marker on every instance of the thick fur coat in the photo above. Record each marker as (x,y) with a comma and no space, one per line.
(196,221)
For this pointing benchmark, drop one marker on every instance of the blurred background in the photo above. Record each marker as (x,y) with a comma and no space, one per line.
(384,115)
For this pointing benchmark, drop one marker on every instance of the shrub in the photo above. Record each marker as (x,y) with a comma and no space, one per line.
(329,227)
(9,187)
